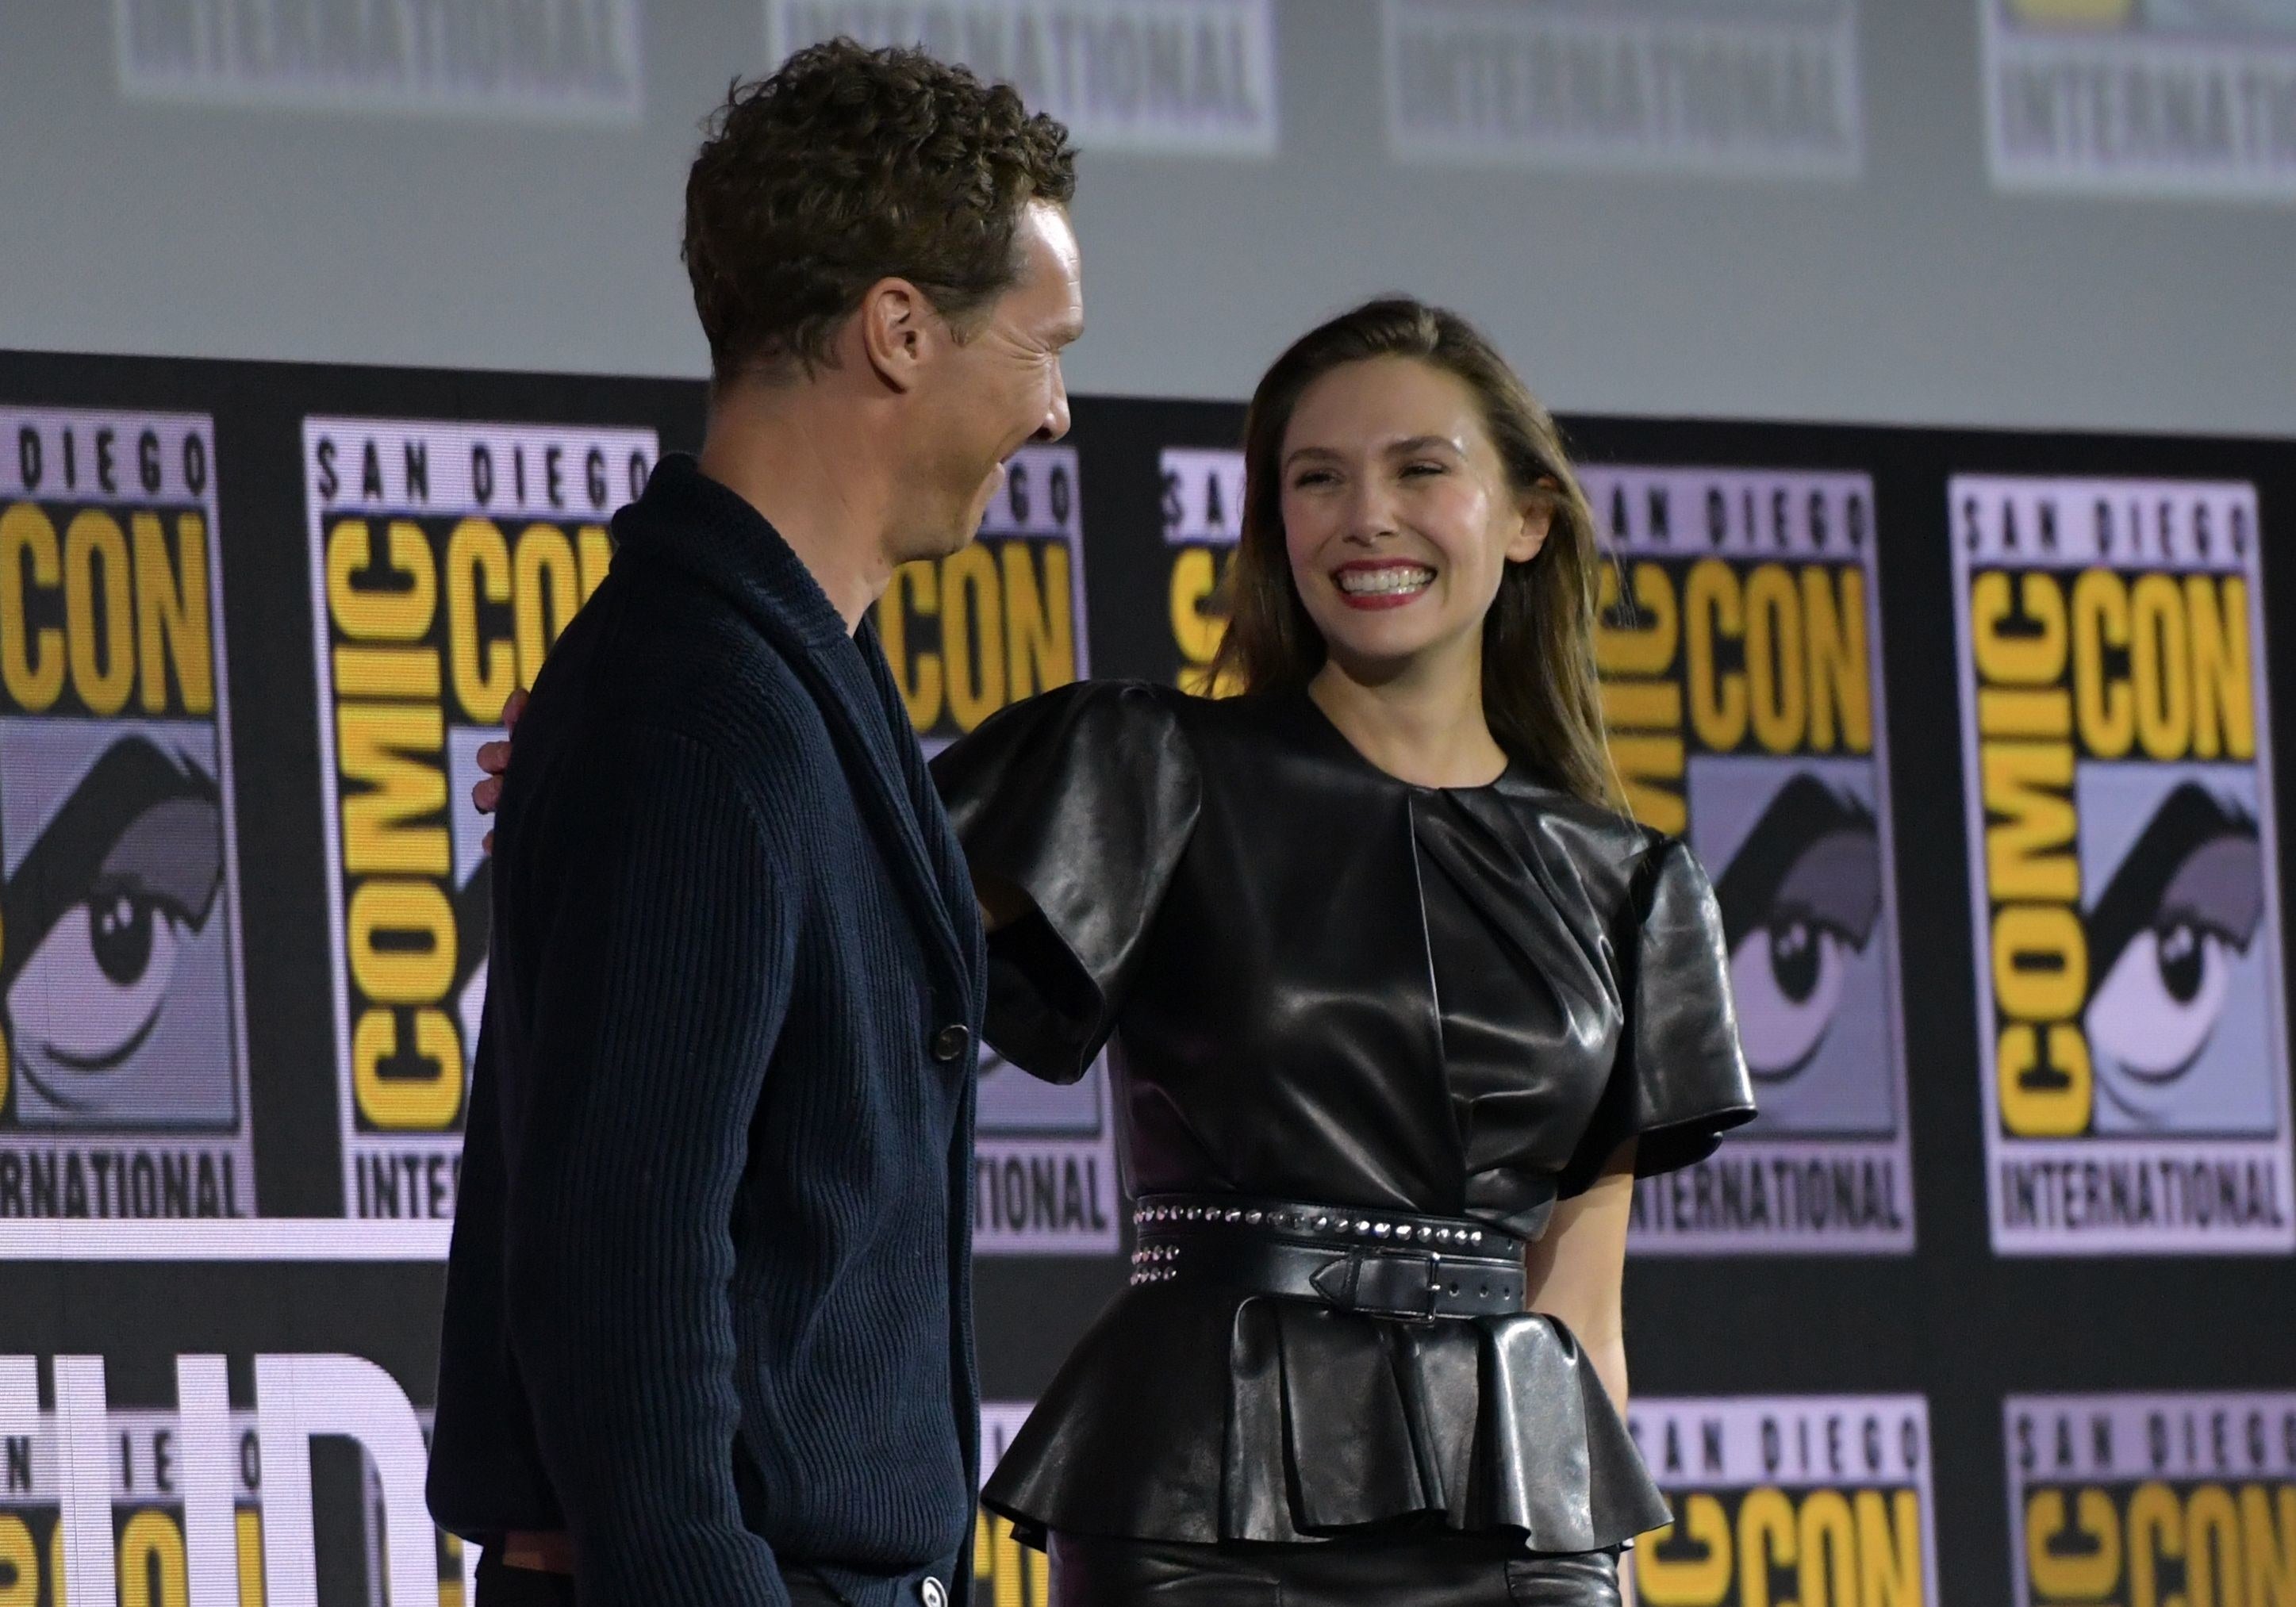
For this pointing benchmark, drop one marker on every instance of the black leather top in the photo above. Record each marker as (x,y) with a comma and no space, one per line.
(1327,984)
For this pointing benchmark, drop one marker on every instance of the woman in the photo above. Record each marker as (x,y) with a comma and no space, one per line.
(1402,1002)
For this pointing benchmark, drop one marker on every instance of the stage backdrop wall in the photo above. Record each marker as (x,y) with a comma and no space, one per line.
(1974,731)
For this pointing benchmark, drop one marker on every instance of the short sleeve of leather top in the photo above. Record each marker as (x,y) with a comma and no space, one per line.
(1324,985)
(1084,800)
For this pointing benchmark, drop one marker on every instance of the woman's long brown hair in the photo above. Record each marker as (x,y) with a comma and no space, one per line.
(1541,696)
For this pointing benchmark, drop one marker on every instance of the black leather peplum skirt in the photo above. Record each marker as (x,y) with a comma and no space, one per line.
(1193,1412)
(1444,1570)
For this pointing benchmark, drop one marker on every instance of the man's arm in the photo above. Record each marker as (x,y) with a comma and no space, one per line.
(660,986)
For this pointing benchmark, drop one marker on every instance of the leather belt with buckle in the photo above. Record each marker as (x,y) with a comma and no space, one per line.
(1384,1263)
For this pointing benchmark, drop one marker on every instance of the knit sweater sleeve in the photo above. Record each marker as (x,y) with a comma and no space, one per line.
(660,980)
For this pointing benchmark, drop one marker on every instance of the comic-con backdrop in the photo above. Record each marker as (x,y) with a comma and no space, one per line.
(1974,732)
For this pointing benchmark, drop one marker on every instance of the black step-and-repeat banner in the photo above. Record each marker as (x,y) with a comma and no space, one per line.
(1973,731)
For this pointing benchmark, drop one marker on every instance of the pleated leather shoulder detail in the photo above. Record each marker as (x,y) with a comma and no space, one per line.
(1681,1081)
(1083,798)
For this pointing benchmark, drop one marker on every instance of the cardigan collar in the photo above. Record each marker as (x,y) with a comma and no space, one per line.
(712,532)
(695,524)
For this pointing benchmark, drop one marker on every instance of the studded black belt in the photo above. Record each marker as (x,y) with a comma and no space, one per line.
(1381,1262)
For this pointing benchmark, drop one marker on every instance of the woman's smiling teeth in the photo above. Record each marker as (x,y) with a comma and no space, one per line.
(1385,580)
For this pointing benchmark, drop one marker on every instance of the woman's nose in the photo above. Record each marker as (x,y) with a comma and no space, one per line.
(1371,513)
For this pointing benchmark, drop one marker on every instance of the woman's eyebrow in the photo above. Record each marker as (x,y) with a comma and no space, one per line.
(1402,449)
(1421,443)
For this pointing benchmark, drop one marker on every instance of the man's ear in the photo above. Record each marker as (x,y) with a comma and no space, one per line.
(898,331)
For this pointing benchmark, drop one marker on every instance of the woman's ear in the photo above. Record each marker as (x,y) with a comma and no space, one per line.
(1536,509)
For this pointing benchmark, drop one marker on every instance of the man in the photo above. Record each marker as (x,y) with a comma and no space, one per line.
(708,1330)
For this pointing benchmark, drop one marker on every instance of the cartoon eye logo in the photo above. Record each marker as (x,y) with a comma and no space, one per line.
(1801,897)
(2187,898)
(97,915)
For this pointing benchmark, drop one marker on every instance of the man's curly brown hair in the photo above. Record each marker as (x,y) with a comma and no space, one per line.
(847,166)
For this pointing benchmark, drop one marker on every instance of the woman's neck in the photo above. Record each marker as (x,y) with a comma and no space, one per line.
(1423,727)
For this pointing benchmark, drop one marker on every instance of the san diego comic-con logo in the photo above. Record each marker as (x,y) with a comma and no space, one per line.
(2123,873)
(446,558)
(203,1503)
(143,1457)
(1203,519)
(123,1057)
(1813,1501)
(1739,651)
(2184,1499)
(1000,619)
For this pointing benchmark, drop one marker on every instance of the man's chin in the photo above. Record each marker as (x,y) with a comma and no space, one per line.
(931,546)
(977,515)
(937,538)
(985,501)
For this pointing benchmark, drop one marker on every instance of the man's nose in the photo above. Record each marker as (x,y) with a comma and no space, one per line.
(1056,415)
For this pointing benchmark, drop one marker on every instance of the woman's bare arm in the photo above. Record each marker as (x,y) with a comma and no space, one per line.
(1578,1270)
(1578,1273)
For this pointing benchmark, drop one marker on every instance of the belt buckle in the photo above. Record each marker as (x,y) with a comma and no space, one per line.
(1384,1282)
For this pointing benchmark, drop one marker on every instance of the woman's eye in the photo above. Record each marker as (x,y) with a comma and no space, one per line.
(2155,1009)
(1786,981)
(89,993)
(1413,470)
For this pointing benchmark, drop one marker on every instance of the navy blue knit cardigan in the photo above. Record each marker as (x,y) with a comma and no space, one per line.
(708,1302)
